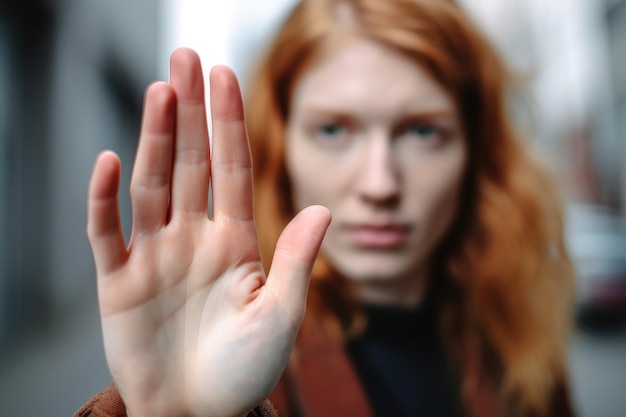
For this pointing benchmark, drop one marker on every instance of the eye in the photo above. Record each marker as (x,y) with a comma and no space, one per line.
(331,134)
(331,130)
(423,130)
(420,133)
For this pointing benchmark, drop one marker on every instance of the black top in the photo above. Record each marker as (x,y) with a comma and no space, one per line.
(402,364)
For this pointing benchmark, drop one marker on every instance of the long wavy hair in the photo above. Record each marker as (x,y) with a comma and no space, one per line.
(504,279)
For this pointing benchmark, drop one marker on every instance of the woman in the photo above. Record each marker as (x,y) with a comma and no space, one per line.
(393,115)
(442,286)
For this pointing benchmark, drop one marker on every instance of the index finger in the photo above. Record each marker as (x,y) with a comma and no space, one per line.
(231,164)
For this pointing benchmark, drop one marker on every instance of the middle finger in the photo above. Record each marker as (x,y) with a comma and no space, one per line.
(191,171)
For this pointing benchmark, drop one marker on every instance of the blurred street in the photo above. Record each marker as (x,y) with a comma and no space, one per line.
(598,366)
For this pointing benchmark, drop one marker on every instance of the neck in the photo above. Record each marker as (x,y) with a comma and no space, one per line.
(408,292)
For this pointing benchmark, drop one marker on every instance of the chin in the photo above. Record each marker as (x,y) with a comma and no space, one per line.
(375,266)
(377,271)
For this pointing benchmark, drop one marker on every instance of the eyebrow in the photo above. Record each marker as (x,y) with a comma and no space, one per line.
(434,113)
(426,113)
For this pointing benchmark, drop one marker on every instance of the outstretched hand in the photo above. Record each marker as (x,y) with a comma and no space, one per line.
(191,324)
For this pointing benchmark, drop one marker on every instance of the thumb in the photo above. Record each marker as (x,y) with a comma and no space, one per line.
(295,254)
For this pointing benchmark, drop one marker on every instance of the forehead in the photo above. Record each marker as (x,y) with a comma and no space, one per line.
(367,77)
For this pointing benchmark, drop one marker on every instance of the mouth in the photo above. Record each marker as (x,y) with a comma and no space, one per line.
(384,237)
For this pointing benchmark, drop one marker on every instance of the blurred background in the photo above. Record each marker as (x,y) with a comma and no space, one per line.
(72,76)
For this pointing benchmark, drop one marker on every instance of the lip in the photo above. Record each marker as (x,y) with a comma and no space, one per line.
(378,236)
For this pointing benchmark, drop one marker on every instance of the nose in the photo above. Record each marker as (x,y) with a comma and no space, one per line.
(379,176)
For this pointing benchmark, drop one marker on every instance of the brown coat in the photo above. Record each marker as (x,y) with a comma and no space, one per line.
(320,381)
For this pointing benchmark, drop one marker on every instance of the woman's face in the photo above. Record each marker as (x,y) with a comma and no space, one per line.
(376,140)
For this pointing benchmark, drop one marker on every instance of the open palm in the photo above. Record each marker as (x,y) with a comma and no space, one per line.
(191,324)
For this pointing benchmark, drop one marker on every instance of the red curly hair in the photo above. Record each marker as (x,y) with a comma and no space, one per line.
(507,288)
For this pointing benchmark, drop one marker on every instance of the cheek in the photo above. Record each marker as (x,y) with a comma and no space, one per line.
(445,198)
(309,183)
(439,196)
(444,210)
(307,190)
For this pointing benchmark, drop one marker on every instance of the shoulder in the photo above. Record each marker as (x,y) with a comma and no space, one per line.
(106,403)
